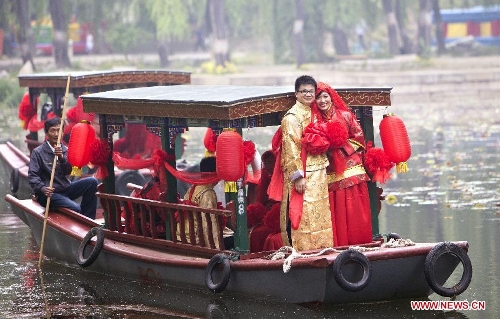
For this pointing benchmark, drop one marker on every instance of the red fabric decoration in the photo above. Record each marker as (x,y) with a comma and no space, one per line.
(230,159)
(336,132)
(76,115)
(272,219)
(82,136)
(99,156)
(210,140)
(26,111)
(138,142)
(275,189)
(159,158)
(248,151)
(255,214)
(36,125)
(314,139)
(395,141)
(377,164)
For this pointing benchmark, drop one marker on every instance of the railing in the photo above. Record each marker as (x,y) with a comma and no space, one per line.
(172,223)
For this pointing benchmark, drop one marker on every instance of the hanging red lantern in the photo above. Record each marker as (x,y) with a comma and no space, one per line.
(230,159)
(81,138)
(395,141)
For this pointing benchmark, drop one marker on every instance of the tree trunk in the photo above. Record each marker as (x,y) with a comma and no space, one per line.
(26,39)
(218,23)
(407,46)
(392,27)
(340,42)
(298,33)
(424,27)
(163,53)
(441,49)
(60,35)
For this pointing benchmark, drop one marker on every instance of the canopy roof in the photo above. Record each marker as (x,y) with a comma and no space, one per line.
(221,102)
(88,79)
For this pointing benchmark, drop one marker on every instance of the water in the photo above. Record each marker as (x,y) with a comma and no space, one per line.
(450,193)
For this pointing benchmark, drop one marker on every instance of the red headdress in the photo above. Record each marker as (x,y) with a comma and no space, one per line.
(336,100)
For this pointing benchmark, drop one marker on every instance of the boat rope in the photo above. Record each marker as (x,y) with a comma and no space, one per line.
(287,263)
(401,242)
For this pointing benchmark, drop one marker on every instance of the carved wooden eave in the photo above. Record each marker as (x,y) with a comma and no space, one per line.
(224,102)
(90,79)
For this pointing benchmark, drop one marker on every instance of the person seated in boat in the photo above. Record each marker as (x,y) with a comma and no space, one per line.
(268,161)
(63,192)
(205,196)
(257,212)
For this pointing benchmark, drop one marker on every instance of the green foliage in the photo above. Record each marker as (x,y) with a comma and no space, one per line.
(249,19)
(10,93)
(283,16)
(170,17)
(125,37)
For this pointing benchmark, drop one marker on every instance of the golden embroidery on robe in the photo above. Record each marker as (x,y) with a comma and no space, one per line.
(315,228)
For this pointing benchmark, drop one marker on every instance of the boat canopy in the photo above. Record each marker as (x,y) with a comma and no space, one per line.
(216,105)
(90,79)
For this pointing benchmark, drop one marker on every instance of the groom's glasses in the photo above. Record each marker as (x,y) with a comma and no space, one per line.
(305,92)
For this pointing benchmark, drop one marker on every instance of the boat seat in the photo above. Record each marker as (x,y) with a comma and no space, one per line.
(173,223)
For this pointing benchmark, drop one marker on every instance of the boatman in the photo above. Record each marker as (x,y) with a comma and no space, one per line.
(63,192)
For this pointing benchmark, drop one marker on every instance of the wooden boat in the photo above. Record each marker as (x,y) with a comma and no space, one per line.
(14,160)
(385,269)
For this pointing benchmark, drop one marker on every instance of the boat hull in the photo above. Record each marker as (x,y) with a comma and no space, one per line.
(396,272)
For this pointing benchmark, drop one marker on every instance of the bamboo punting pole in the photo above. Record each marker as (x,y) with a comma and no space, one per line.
(63,118)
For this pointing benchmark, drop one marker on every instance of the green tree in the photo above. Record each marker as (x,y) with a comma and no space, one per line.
(171,20)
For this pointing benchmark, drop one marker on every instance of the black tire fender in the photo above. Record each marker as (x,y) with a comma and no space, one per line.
(394,236)
(14,180)
(358,257)
(215,261)
(431,259)
(87,261)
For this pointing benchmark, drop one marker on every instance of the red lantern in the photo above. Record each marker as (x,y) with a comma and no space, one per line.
(230,159)
(82,136)
(395,141)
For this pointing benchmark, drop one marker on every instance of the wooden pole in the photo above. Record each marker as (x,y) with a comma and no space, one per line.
(63,118)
